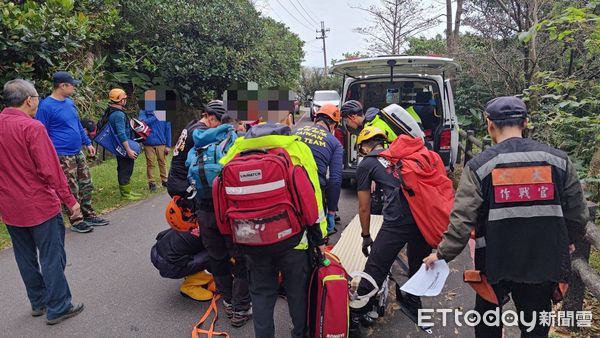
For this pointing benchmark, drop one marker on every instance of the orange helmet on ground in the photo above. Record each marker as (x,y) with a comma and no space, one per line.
(331,111)
(178,217)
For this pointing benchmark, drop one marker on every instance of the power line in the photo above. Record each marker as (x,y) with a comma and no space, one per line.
(300,22)
(305,11)
(297,10)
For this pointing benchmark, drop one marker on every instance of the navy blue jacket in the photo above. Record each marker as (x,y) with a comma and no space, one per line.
(328,154)
(160,133)
(178,254)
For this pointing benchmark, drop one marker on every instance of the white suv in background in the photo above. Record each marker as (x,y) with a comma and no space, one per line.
(322,97)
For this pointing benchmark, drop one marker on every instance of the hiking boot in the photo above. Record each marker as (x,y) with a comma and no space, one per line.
(82,227)
(152,187)
(126,193)
(228,309)
(354,329)
(241,317)
(410,303)
(73,311)
(96,221)
(38,312)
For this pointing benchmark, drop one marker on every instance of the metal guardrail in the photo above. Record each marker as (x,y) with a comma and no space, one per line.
(584,277)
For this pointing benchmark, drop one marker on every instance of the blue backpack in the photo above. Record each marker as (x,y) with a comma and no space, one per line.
(210,145)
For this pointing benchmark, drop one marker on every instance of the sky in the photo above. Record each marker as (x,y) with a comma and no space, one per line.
(339,16)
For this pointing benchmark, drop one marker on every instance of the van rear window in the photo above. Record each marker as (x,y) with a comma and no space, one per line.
(422,95)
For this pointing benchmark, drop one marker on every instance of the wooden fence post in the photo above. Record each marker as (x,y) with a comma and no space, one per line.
(469,145)
(458,153)
(574,298)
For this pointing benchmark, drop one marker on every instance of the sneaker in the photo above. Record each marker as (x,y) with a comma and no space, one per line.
(152,187)
(82,227)
(228,309)
(96,221)
(38,312)
(164,184)
(73,311)
(241,317)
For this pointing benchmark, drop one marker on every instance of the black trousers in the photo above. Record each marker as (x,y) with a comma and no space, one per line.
(124,169)
(390,240)
(528,298)
(264,270)
(231,278)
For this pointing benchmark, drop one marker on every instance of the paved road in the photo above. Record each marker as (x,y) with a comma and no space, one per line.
(110,271)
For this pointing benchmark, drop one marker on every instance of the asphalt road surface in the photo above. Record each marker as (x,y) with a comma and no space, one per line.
(109,270)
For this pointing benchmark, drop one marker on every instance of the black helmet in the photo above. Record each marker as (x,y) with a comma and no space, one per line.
(351,107)
(215,107)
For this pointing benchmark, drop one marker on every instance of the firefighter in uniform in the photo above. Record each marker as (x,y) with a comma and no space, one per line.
(525,204)
(328,154)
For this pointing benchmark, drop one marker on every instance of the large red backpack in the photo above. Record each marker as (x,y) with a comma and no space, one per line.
(425,185)
(261,198)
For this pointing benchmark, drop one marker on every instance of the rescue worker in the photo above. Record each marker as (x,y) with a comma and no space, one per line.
(524,202)
(352,113)
(328,154)
(354,117)
(398,228)
(293,264)
(231,279)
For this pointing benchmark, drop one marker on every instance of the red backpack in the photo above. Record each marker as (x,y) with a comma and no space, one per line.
(328,301)
(261,198)
(425,185)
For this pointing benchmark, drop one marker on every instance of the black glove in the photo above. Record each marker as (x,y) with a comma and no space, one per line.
(367,241)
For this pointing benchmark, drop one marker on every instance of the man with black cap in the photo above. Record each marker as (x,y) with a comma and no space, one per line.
(525,205)
(58,114)
(231,279)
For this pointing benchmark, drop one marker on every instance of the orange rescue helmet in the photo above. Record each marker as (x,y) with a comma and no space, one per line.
(178,217)
(331,111)
(116,95)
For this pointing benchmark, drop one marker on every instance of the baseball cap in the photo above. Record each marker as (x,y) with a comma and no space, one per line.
(506,107)
(64,77)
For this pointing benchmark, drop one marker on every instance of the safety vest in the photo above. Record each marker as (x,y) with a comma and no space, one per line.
(299,153)
(521,234)
(413,113)
(379,123)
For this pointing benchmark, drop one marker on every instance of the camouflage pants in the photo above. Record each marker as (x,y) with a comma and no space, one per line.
(80,182)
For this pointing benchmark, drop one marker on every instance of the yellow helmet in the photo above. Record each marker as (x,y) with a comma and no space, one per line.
(116,95)
(368,133)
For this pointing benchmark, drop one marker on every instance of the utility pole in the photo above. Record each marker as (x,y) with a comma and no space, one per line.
(322,37)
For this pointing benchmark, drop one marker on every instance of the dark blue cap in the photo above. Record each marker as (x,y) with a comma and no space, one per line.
(64,77)
(506,107)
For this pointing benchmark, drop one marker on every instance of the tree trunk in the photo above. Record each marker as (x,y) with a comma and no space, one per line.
(457,22)
(449,34)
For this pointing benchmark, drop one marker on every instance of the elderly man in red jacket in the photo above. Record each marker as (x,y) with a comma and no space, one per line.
(32,188)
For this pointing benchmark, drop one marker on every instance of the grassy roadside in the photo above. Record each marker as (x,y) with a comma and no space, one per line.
(106,195)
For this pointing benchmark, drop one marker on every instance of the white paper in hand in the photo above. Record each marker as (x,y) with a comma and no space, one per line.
(428,282)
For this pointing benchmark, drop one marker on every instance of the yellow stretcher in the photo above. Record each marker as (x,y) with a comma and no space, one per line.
(348,248)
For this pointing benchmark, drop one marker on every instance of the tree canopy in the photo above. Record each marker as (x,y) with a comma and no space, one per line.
(196,47)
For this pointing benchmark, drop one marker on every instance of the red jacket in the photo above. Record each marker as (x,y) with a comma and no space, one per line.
(32,182)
